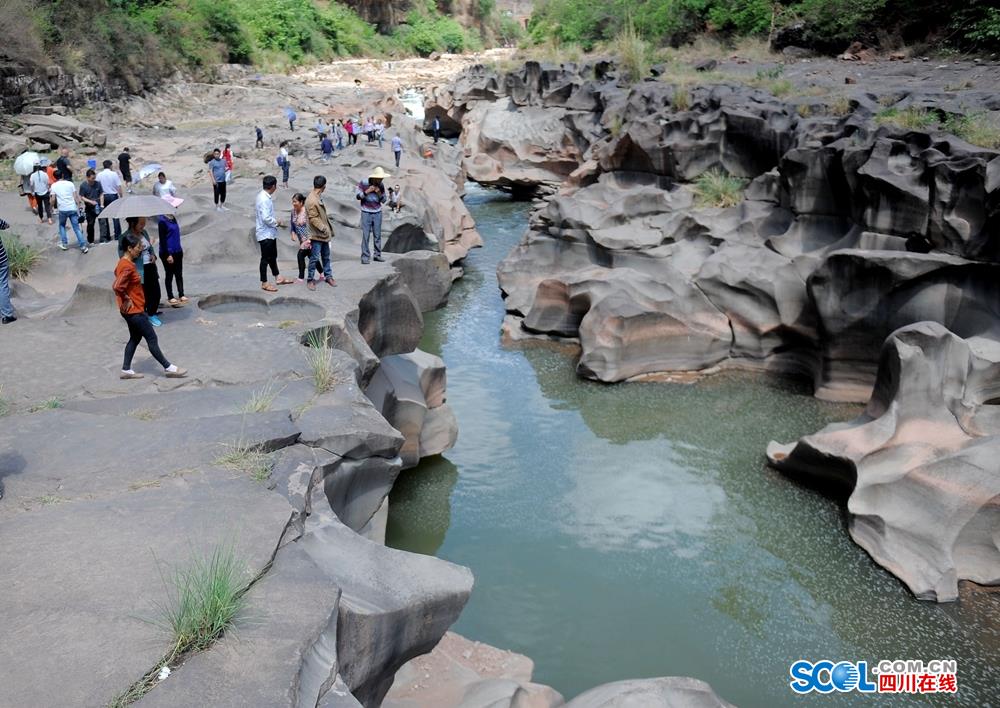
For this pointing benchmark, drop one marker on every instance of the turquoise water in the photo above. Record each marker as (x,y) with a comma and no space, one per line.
(634,530)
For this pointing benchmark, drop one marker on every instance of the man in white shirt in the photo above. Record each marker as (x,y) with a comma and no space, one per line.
(111,191)
(267,235)
(68,205)
(163,187)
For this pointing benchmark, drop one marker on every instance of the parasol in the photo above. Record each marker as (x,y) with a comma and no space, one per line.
(147,170)
(146,205)
(25,163)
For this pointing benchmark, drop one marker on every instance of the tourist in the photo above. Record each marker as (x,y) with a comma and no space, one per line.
(320,233)
(320,128)
(63,164)
(227,157)
(349,128)
(27,191)
(397,147)
(282,161)
(260,138)
(40,188)
(131,301)
(267,235)
(371,194)
(7,313)
(327,147)
(149,274)
(380,132)
(370,129)
(292,117)
(437,129)
(164,187)
(90,194)
(68,205)
(395,201)
(111,191)
(338,130)
(217,172)
(172,255)
(125,166)
(298,225)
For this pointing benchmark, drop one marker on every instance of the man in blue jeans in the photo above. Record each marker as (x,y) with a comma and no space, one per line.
(371,194)
(320,233)
(68,205)
(111,191)
(7,314)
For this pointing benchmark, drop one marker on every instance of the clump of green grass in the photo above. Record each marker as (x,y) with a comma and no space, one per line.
(804,110)
(974,128)
(145,414)
(21,257)
(681,100)
(633,53)
(319,356)
(203,601)
(840,106)
(286,324)
(46,405)
(261,400)
(715,188)
(908,118)
(245,456)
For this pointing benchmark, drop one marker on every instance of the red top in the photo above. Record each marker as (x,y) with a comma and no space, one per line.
(227,155)
(128,286)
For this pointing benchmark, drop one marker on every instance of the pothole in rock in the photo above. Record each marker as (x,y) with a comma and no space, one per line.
(259,308)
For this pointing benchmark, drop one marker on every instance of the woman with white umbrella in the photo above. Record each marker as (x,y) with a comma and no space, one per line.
(24,165)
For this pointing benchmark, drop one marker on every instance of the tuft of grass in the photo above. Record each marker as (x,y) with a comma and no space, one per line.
(261,400)
(975,129)
(633,53)
(907,118)
(287,324)
(46,405)
(245,456)
(715,188)
(22,257)
(319,356)
(681,100)
(804,110)
(5,406)
(146,414)
(840,106)
(616,126)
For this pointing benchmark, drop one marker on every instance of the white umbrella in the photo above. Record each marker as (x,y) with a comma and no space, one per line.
(147,170)
(25,163)
(145,205)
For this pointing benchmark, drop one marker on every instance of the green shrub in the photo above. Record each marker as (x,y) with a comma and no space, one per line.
(715,188)
(21,257)
(974,128)
(633,53)
(907,118)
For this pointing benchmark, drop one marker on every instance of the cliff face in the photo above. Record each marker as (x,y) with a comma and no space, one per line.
(387,15)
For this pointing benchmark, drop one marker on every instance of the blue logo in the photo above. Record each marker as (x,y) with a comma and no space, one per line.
(826,677)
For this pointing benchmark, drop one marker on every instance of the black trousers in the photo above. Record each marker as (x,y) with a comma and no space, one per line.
(219,192)
(302,256)
(151,287)
(43,203)
(268,257)
(139,328)
(91,222)
(172,271)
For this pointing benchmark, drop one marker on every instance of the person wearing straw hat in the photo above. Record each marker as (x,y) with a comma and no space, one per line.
(371,194)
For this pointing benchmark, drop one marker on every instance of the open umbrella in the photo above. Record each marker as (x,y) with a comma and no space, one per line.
(146,170)
(25,163)
(146,205)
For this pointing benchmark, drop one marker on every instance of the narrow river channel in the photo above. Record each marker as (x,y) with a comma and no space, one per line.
(634,530)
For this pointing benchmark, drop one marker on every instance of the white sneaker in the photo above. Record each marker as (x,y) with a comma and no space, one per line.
(63,247)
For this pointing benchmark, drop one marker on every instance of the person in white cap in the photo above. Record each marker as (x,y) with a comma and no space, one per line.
(371,194)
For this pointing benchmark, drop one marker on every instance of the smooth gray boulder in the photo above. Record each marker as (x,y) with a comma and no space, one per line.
(665,692)
(920,463)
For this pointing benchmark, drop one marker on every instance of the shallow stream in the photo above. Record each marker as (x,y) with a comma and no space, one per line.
(634,530)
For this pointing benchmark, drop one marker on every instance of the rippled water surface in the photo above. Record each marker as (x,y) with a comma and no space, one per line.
(634,530)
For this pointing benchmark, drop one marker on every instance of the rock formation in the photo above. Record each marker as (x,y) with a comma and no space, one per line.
(919,463)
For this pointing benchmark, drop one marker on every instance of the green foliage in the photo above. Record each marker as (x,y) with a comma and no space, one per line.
(907,118)
(20,256)
(715,188)
(426,32)
(974,128)
(633,53)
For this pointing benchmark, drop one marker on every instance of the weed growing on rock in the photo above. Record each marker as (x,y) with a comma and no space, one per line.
(47,405)
(633,53)
(907,118)
(287,324)
(681,100)
(616,126)
(246,456)
(261,400)
(319,356)
(975,129)
(4,403)
(718,189)
(146,414)
(840,106)
(22,258)
(804,110)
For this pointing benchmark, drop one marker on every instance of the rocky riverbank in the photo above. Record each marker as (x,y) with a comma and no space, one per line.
(857,249)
